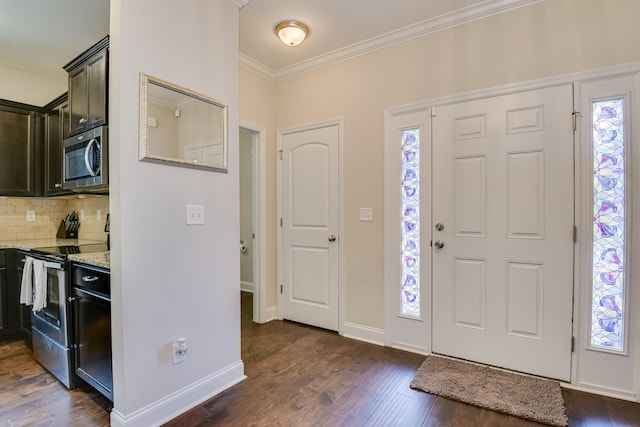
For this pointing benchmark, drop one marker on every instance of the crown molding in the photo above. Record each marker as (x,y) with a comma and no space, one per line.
(420,29)
(240,3)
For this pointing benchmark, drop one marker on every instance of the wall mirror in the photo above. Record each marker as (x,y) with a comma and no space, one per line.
(181,127)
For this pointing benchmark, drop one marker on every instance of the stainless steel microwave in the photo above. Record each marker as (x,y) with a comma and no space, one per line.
(86,162)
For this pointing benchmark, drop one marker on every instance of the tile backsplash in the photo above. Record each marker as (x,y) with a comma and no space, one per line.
(48,214)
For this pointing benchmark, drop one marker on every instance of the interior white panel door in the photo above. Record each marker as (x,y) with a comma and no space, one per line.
(503,189)
(310,223)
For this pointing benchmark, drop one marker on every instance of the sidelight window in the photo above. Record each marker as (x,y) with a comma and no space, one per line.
(410,223)
(608,257)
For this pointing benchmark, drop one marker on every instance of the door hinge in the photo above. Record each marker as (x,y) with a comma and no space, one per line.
(574,119)
(280,222)
(280,151)
(573,344)
(281,286)
(253,235)
(575,234)
(433,112)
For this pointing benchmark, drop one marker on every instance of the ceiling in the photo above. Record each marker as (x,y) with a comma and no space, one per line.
(36,35)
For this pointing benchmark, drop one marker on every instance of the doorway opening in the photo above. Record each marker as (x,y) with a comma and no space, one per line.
(252,218)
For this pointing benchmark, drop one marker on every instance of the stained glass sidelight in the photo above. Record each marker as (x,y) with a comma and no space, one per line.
(410,241)
(607,303)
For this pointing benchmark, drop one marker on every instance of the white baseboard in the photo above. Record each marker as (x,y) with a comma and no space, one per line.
(363,333)
(271,313)
(602,391)
(410,348)
(246,286)
(171,406)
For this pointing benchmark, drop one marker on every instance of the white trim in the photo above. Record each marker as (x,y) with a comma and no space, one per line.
(246,286)
(271,313)
(259,165)
(363,333)
(240,3)
(182,400)
(420,29)
(602,391)
(411,348)
(341,232)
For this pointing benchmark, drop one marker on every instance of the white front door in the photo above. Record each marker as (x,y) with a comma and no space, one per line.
(503,211)
(310,226)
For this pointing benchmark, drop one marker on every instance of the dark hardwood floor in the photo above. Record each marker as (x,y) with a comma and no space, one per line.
(297,376)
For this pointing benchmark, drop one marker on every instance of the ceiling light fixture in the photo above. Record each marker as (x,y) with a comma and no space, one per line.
(291,32)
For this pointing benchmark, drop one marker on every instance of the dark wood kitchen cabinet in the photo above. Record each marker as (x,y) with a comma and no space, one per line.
(13,314)
(88,77)
(21,131)
(56,130)
(4,302)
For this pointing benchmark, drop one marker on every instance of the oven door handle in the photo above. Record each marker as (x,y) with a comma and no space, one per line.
(54,265)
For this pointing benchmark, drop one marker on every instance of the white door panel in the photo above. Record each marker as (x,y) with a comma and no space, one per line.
(503,188)
(310,188)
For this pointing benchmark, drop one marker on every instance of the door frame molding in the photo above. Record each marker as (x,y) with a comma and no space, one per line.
(259,186)
(280,133)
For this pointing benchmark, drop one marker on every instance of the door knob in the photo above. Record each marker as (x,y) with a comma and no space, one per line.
(332,238)
(439,244)
(439,226)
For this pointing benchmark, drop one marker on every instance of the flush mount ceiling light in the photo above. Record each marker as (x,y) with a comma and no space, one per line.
(291,32)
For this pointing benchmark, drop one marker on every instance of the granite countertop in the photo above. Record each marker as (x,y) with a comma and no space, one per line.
(99,259)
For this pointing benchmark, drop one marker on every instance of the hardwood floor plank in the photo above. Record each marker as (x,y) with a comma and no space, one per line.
(298,376)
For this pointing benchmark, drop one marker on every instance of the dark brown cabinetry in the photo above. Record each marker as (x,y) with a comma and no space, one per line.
(15,317)
(56,130)
(88,88)
(91,297)
(20,131)
(4,288)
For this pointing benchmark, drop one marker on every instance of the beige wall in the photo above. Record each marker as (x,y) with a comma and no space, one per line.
(547,39)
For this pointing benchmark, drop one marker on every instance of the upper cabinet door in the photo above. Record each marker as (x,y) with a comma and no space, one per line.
(88,76)
(17,152)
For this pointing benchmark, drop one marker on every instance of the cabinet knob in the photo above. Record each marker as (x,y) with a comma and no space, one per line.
(82,121)
(71,299)
(57,185)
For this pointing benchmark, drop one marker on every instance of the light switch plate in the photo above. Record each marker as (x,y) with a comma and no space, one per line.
(195,214)
(31,215)
(366,214)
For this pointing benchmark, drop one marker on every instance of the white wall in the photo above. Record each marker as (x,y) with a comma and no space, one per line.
(169,279)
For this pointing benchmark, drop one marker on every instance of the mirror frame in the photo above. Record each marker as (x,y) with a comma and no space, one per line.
(143,143)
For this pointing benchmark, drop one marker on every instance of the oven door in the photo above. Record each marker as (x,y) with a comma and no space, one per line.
(52,319)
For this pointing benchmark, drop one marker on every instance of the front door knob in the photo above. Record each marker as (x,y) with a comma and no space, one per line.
(439,244)
(332,238)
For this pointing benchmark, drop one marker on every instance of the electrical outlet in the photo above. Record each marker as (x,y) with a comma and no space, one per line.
(31,215)
(195,214)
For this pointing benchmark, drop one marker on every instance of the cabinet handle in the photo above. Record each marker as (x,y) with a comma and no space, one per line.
(71,299)
(83,121)
(89,278)
(57,185)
